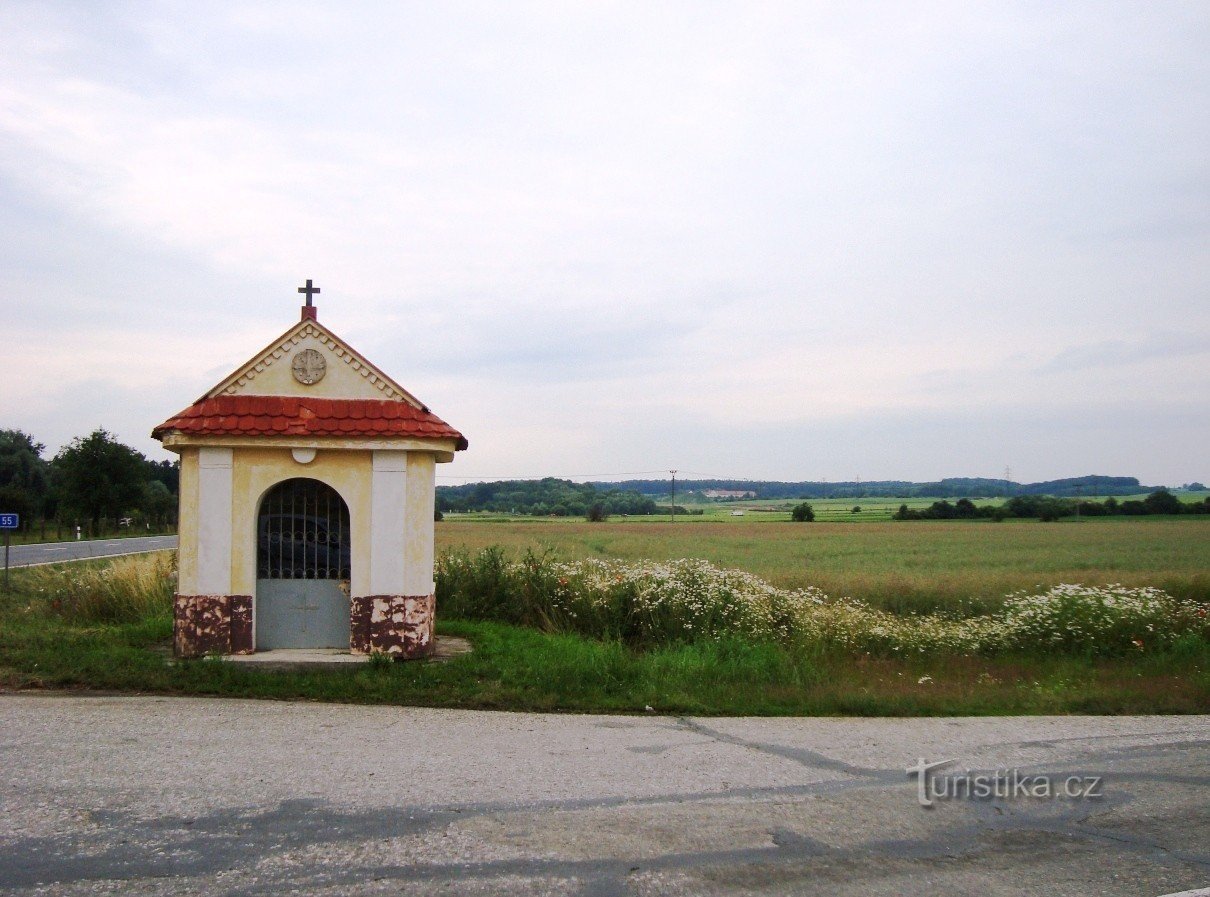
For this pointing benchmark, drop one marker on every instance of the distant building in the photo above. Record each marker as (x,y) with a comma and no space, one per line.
(728,493)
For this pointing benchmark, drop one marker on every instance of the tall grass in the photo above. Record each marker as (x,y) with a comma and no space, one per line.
(125,590)
(55,632)
(649,604)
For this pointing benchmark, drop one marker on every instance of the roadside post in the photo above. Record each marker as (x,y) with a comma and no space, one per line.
(8,523)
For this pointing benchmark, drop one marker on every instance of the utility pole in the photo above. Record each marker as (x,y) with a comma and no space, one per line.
(673,472)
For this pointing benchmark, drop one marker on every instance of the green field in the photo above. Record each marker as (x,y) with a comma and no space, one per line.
(842,509)
(913,566)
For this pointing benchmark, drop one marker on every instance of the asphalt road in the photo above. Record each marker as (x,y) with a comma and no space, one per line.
(158,795)
(57,552)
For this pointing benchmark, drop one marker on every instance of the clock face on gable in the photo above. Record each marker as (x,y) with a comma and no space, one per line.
(309,367)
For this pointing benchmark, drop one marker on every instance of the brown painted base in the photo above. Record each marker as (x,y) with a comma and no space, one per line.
(212,624)
(398,625)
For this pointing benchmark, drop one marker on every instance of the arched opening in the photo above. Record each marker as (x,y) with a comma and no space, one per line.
(303,559)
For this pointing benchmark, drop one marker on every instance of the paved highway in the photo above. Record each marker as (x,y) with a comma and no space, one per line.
(163,795)
(57,552)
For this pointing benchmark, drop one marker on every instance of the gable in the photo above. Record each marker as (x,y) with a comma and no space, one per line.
(347,374)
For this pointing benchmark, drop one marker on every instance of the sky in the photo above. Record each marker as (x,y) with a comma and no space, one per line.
(743,240)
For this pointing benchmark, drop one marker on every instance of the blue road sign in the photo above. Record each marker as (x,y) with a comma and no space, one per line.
(10,521)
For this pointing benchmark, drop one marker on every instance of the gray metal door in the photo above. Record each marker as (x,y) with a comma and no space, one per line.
(302,556)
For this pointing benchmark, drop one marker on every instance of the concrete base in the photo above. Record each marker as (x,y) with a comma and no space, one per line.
(446,647)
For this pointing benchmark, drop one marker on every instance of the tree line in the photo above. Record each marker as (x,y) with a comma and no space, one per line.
(94,482)
(1049,507)
(542,498)
(950,487)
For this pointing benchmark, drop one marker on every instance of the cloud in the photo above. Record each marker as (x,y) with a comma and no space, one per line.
(621,228)
(1120,352)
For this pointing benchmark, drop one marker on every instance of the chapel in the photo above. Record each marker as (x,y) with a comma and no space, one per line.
(307,504)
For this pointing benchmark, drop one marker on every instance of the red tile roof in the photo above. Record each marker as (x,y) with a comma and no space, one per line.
(298,416)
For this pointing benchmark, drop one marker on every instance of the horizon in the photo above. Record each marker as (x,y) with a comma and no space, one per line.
(632,478)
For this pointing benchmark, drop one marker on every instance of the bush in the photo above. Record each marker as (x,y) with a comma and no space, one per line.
(483,587)
(596,513)
(1161,501)
(803,513)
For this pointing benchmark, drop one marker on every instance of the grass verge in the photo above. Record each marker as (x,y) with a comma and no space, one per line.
(516,668)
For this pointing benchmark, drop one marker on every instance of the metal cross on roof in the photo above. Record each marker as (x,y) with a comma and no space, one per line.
(309,290)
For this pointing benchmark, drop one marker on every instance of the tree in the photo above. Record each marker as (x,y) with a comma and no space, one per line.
(942,510)
(24,475)
(166,472)
(97,476)
(15,500)
(803,513)
(596,513)
(1161,501)
(158,503)
(1051,509)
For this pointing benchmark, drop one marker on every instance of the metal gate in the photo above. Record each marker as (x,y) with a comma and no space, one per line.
(302,557)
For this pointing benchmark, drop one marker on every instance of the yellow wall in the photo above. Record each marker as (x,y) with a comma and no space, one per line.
(345,377)
(258,470)
(255,470)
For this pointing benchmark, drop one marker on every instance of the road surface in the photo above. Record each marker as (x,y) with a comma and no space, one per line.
(57,552)
(161,795)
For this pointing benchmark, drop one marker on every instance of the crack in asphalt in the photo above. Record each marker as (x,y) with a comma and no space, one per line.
(803,756)
(231,839)
(240,840)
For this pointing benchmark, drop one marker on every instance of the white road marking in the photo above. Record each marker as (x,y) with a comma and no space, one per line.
(96,557)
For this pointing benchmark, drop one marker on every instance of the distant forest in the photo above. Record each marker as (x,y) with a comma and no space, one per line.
(563,498)
(953,487)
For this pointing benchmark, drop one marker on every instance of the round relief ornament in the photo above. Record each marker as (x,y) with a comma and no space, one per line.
(308,367)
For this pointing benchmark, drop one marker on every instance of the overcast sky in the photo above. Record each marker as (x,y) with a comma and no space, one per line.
(776,241)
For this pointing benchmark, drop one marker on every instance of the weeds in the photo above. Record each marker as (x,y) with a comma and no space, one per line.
(648,604)
(125,590)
